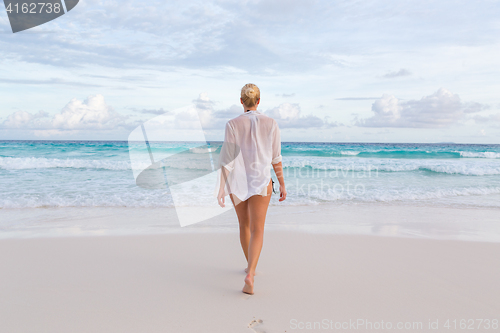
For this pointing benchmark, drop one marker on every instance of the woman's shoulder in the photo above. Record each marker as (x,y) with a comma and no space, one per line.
(270,120)
(243,118)
(266,116)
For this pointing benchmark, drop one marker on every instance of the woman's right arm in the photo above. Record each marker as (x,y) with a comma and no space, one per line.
(228,154)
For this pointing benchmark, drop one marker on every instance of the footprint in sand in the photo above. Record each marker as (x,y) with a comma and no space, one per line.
(257,326)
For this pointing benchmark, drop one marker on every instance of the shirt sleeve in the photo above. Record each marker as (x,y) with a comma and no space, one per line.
(229,149)
(276,144)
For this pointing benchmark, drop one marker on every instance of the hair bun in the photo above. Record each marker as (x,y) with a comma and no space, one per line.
(250,94)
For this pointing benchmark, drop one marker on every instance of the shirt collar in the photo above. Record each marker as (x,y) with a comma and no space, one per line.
(252,112)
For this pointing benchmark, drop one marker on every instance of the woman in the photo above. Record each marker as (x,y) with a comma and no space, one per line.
(251,145)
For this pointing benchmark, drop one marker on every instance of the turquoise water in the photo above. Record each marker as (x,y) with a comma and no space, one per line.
(37,174)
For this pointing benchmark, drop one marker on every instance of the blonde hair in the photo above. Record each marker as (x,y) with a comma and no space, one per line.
(250,94)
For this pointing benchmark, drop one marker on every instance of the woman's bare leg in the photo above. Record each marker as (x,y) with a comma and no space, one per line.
(244,221)
(257,207)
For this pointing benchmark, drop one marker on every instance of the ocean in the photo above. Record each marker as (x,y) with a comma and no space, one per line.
(40,174)
(61,188)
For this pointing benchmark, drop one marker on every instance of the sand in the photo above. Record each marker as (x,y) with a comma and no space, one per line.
(396,219)
(192,283)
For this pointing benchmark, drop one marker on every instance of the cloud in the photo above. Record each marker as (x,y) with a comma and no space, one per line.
(288,36)
(229,113)
(209,117)
(23,119)
(289,116)
(440,109)
(152,111)
(490,119)
(121,78)
(355,98)
(90,114)
(200,110)
(285,95)
(51,81)
(401,72)
(203,102)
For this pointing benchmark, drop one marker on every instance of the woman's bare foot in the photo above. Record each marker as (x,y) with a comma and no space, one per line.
(246,271)
(248,288)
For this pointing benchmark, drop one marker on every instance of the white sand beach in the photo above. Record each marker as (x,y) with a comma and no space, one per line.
(124,123)
(191,282)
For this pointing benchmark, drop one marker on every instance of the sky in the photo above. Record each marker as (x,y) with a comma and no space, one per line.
(328,71)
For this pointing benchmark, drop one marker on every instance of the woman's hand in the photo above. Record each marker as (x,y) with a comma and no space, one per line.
(282,193)
(220,198)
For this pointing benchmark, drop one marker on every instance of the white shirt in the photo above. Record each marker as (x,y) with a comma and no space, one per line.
(251,144)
